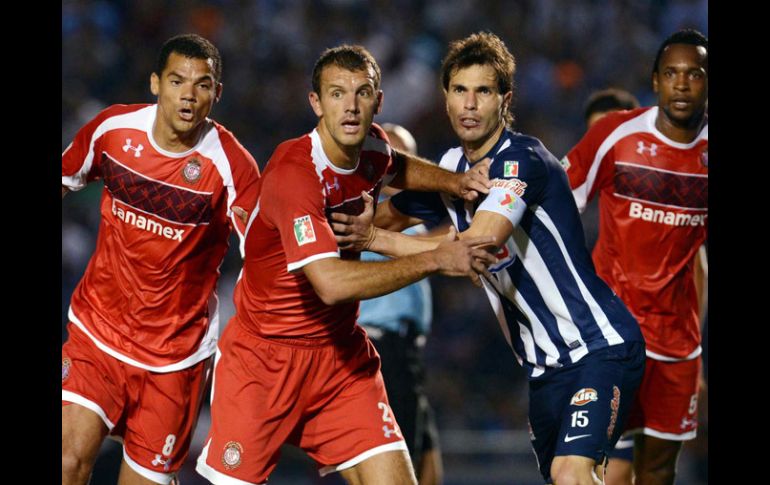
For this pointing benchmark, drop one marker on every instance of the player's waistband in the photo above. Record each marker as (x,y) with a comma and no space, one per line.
(342,336)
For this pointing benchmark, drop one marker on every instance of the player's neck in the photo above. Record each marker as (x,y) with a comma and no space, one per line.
(168,139)
(475,151)
(680,133)
(340,156)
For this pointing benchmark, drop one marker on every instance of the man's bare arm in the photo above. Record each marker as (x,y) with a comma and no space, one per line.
(421,175)
(339,281)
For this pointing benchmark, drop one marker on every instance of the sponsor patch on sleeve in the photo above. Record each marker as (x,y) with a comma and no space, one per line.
(303,230)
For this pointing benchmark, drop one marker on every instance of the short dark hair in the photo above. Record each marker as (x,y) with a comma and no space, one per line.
(350,57)
(193,46)
(685,36)
(482,48)
(611,99)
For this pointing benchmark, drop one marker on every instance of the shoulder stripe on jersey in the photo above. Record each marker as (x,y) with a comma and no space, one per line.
(166,201)
(140,119)
(662,187)
(623,130)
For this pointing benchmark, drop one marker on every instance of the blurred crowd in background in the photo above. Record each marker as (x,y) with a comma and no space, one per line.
(564,50)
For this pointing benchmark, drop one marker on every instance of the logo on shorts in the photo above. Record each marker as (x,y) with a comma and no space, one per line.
(65,368)
(192,171)
(231,458)
(303,230)
(511,169)
(614,406)
(584,396)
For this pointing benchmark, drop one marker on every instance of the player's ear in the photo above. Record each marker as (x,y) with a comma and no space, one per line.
(218,93)
(154,84)
(380,96)
(655,82)
(507,101)
(315,103)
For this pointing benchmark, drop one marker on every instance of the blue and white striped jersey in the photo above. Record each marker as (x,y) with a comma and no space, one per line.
(552,307)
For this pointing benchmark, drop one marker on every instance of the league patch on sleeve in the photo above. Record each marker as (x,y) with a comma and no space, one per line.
(511,168)
(303,230)
(565,163)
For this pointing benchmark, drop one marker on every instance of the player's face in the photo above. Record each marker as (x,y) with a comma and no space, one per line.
(346,105)
(682,84)
(186,91)
(475,106)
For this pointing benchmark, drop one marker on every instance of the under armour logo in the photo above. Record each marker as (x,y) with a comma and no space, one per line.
(653,148)
(160,461)
(389,431)
(688,423)
(137,149)
(334,186)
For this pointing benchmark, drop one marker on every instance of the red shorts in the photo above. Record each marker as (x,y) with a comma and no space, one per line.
(327,398)
(153,413)
(666,405)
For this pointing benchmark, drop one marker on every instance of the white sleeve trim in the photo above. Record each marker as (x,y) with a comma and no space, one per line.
(504,198)
(70,396)
(214,476)
(157,477)
(398,445)
(295,266)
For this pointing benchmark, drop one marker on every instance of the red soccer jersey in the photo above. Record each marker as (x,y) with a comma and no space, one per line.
(653,217)
(148,294)
(298,190)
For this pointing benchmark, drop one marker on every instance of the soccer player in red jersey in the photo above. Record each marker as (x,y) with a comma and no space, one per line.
(650,168)
(293,366)
(144,319)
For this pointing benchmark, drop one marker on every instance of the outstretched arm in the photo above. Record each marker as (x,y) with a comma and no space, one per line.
(339,281)
(421,175)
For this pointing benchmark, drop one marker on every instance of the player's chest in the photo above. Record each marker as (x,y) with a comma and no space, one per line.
(650,170)
(342,192)
(180,189)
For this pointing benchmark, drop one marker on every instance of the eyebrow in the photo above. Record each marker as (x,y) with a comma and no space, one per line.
(205,77)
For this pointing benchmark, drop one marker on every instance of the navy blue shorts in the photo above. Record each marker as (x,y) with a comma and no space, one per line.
(581,408)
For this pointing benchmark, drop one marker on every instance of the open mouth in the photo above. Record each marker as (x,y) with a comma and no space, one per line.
(469,122)
(186,114)
(351,127)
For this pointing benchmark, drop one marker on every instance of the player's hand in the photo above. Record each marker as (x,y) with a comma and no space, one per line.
(464,257)
(475,181)
(241,214)
(355,233)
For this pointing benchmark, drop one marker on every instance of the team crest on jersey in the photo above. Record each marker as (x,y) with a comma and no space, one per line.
(565,163)
(231,458)
(704,158)
(614,406)
(511,168)
(584,396)
(303,230)
(65,368)
(192,171)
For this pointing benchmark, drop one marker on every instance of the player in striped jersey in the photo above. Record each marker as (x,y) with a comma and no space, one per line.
(144,319)
(649,167)
(582,349)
